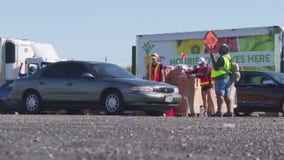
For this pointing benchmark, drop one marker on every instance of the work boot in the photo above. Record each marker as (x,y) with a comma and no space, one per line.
(217,114)
(228,114)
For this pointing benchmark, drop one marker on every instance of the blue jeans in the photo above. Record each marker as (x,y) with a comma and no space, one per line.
(223,85)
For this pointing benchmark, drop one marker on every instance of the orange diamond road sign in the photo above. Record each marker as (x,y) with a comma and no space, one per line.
(210,40)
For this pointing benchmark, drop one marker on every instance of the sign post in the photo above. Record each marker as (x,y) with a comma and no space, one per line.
(183,54)
(210,40)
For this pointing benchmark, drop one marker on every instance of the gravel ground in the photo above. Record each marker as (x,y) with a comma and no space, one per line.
(73,137)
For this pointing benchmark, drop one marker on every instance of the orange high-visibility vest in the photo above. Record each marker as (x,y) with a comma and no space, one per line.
(204,80)
(155,72)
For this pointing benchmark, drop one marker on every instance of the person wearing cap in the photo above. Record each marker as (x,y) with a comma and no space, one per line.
(32,70)
(221,73)
(155,70)
(203,72)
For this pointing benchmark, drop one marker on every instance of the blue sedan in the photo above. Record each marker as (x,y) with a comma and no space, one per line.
(6,104)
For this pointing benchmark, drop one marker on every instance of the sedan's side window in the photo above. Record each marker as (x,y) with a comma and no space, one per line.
(256,79)
(77,70)
(55,71)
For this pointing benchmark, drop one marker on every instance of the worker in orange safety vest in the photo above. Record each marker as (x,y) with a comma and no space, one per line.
(155,70)
(203,72)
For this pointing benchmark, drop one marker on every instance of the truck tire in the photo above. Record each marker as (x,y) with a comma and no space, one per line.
(32,102)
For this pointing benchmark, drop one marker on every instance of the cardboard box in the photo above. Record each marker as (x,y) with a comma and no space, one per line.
(190,90)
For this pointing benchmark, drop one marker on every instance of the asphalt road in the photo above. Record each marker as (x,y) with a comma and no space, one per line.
(73,137)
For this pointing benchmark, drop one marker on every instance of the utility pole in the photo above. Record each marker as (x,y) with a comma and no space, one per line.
(105,59)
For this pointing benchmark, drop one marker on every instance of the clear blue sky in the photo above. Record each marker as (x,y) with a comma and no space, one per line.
(95,29)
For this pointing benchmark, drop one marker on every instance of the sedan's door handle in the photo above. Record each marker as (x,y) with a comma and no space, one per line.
(69,84)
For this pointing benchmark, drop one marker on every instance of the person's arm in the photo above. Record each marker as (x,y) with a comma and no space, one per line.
(191,71)
(147,72)
(207,72)
(147,75)
(217,63)
(200,75)
(162,73)
(163,77)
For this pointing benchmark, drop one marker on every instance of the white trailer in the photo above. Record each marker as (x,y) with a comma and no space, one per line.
(15,52)
(257,48)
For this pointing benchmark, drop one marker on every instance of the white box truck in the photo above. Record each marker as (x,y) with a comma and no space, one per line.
(16,54)
(256,48)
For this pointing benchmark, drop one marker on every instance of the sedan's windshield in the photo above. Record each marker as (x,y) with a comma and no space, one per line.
(106,70)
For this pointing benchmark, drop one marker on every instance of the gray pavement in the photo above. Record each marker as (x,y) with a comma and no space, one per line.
(73,137)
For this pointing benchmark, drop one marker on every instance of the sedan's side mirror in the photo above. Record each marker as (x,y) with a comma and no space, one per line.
(268,82)
(87,75)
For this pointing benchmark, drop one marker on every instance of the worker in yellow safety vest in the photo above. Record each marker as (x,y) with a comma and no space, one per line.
(222,68)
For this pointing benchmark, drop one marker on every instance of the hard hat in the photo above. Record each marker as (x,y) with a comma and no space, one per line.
(155,55)
(201,60)
(224,48)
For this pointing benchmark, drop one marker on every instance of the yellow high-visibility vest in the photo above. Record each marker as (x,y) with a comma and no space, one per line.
(226,69)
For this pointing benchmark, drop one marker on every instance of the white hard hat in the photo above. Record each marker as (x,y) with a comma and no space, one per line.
(201,60)
(155,55)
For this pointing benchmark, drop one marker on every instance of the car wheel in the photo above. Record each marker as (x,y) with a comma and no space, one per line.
(32,102)
(112,103)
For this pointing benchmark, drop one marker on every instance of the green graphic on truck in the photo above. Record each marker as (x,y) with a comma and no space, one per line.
(258,48)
